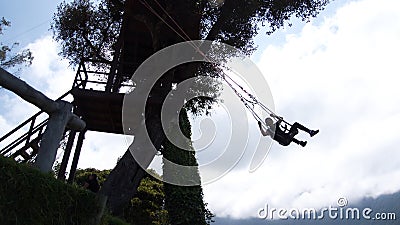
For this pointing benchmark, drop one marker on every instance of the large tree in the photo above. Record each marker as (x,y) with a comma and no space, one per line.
(97,31)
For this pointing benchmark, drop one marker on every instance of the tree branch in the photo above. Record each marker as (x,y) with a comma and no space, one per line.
(216,28)
(94,48)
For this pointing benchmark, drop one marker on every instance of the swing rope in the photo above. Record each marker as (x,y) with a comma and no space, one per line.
(249,102)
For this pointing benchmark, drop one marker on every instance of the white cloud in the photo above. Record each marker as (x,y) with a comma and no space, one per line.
(45,68)
(13,108)
(101,150)
(340,76)
(49,72)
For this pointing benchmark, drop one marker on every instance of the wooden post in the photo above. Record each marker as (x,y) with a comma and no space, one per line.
(77,153)
(60,117)
(52,136)
(67,154)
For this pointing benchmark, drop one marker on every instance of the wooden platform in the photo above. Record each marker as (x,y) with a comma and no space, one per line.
(101,111)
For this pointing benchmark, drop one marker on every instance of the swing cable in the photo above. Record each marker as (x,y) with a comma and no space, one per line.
(248,103)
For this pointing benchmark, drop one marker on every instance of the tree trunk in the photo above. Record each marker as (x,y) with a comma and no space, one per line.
(184,204)
(121,185)
(123,181)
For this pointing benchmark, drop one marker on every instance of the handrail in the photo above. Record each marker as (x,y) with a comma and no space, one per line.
(83,76)
(20,126)
(23,137)
(33,129)
(30,119)
(33,118)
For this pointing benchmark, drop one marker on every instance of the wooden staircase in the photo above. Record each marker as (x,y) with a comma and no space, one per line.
(23,142)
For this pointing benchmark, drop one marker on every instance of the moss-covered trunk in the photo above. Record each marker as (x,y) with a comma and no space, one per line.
(184,204)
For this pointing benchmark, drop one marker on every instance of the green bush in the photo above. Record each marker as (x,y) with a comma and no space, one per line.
(110,220)
(29,197)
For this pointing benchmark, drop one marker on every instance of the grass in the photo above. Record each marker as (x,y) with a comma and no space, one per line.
(30,197)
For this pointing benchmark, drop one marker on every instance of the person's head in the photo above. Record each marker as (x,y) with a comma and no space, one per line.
(92,176)
(269,122)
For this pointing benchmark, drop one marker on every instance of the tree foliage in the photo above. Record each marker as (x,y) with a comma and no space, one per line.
(146,208)
(90,29)
(237,22)
(151,205)
(87,30)
(82,175)
(8,58)
(29,196)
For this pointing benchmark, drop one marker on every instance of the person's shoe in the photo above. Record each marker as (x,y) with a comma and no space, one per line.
(303,143)
(313,132)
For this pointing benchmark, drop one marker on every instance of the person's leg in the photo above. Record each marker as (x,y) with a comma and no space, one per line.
(302,143)
(293,131)
(297,125)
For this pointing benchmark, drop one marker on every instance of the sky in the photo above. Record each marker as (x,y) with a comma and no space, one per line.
(337,73)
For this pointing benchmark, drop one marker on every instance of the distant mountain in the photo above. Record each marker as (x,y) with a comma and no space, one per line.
(385,203)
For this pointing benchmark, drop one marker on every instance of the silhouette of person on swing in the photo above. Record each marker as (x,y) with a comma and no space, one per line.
(284,136)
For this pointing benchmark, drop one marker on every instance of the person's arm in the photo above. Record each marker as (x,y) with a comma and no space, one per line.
(263,132)
(279,118)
